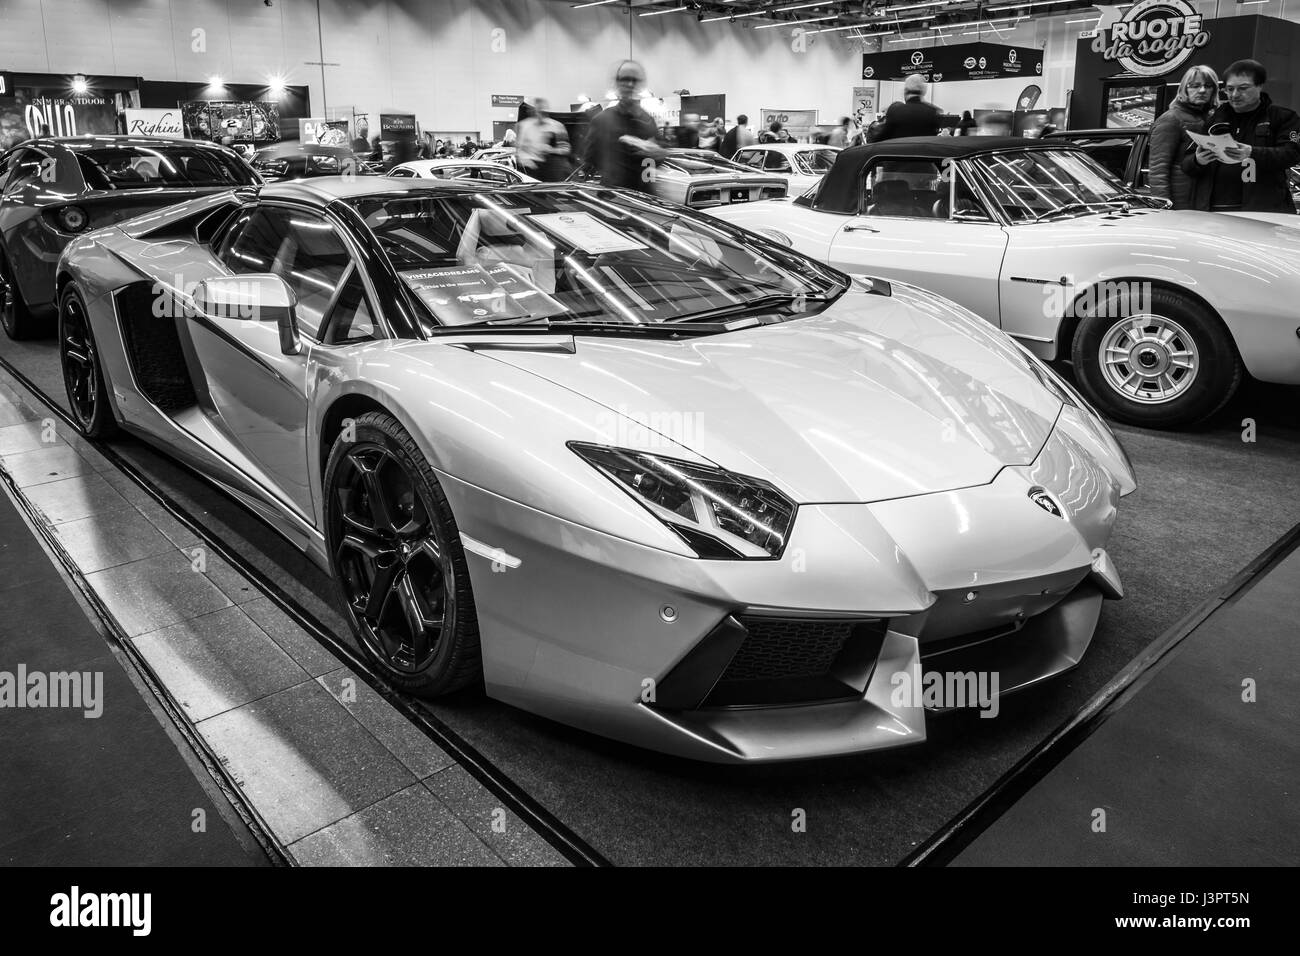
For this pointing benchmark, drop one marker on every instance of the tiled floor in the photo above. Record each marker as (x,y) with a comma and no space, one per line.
(338,774)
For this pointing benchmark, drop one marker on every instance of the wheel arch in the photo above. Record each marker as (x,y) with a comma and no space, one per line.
(349,405)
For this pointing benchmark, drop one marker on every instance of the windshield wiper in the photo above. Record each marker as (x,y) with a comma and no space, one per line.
(1082,206)
(761,302)
(585,327)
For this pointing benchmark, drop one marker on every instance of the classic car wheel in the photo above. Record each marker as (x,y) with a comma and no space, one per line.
(397,560)
(1171,363)
(82,375)
(16,319)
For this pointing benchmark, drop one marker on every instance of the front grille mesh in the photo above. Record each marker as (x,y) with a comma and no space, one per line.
(781,648)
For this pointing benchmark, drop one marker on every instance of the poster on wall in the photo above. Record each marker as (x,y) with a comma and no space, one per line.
(36,111)
(798,123)
(323,132)
(164,123)
(864,104)
(395,126)
(958,62)
(242,121)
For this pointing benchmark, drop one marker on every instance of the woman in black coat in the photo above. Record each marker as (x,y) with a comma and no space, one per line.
(1197,98)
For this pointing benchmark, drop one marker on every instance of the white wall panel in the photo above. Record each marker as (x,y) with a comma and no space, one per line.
(437,57)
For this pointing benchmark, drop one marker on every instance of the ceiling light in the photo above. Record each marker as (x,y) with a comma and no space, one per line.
(79,84)
(655,13)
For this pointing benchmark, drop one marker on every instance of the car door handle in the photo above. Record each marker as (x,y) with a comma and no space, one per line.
(854,227)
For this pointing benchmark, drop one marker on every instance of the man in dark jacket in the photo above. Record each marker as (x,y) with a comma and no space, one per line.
(1268,138)
(738,137)
(620,141)
(912,117)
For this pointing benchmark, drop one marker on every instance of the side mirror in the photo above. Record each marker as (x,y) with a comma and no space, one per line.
(253,298)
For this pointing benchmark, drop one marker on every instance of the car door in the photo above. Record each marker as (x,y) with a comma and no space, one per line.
(260,394)
(906,229)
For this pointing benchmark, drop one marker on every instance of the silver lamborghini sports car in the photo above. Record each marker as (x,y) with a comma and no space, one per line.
(622,464)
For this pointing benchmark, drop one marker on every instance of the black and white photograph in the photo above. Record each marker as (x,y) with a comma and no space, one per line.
(647,434)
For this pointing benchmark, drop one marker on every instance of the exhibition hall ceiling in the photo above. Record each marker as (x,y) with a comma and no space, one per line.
(854,19)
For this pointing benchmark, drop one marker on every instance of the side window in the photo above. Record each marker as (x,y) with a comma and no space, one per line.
(26,168)
(1112,155)
(300,248)
(502,176)
(403,173)
(750,157)
(1142,182)
(911,188)
(350,319)
(777,162)
(5,163)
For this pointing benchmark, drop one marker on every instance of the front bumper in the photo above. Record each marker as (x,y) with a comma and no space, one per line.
(659,650)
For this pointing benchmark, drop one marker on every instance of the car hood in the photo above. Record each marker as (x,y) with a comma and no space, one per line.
(1185,240)
(875,398)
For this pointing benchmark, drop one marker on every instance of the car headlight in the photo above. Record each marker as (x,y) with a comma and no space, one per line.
(719,514)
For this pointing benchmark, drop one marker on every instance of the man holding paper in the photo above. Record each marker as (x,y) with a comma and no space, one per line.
(1242,162)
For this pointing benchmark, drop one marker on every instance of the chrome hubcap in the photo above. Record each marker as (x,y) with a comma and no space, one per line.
(397,579)
(1149,359)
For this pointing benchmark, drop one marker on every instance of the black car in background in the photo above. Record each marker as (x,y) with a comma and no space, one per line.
(1125,153)
(52,190)
(291,160)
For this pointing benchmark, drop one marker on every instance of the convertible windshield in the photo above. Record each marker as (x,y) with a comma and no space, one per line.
(550,256)
(143,167)
(1030,185)
(815,162)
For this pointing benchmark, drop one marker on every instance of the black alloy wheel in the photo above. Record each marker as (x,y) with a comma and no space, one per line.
(83,376)
(398,562)
(15,318)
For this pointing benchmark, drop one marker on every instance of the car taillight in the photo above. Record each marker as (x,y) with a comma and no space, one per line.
(704,195)
(773,192)
(72,218)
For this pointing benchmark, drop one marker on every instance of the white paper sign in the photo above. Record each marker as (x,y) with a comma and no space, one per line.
(164,123)
(1216,145)
(584,231)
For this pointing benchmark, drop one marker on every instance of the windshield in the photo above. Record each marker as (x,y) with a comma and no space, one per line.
(815,162)
(1031,184)
(142,167)
(580,255)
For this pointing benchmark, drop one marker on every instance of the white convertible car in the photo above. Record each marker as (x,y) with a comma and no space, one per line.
(802,164)
(702,179)
(475,170)
(1160,311)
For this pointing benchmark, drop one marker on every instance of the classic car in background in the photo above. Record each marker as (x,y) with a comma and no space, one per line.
(470,169)
(466,403)
(294,160)
(504,155)
(53,190)
(802,164)
(700,178)
(1160,311)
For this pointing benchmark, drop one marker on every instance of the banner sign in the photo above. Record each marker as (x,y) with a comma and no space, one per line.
(323,132)
(1152,38)
(511,100)
(252,121)
(864,104)
(396,126)
(6,84)
(960,61)
(797,122)
(164,123)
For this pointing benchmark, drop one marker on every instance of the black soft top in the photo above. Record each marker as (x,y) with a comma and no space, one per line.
(839,191)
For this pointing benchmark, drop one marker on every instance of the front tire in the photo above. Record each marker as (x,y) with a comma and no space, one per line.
(83,373)
(15,318)
(397,560)
(1160,363)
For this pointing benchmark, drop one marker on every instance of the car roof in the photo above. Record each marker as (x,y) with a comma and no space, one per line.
(323,190)
(788,148)
(1118,133)
(99,141)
